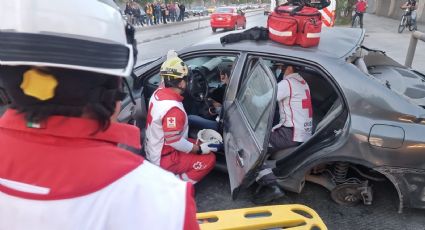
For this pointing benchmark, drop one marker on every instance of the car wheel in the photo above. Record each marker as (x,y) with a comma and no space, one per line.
(244,25)
(214,29)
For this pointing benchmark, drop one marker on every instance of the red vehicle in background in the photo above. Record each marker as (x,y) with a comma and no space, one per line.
(227,18)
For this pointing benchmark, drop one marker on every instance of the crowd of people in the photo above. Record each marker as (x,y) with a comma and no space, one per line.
(154,13)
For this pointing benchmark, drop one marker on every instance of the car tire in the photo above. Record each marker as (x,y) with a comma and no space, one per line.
(244,25)
(214,29)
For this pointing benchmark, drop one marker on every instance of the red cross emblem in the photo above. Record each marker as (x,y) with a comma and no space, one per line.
(171,122)
(306,103)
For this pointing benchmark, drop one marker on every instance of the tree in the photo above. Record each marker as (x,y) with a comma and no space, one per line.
(344,10)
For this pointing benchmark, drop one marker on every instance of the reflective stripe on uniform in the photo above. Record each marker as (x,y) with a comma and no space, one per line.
(23,187)
(172,138)
(170,133)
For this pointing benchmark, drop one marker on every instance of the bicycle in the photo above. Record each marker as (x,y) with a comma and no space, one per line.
(406,21)
(356,20)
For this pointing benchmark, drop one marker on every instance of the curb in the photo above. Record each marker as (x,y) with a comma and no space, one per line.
(144,28)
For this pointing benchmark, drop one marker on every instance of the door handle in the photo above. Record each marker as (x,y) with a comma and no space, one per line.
(239,158)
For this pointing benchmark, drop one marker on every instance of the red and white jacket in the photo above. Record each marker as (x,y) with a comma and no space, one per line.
(64,175)
(166,124)
(293,96)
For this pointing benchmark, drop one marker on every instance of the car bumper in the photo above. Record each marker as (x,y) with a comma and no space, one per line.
(218,24)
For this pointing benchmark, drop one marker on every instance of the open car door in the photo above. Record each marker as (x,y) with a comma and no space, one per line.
(247,127)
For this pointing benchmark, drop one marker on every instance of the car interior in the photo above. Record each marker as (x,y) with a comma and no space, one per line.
(205,73)
(327,104)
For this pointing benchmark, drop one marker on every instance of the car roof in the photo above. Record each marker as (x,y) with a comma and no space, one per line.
(337,42)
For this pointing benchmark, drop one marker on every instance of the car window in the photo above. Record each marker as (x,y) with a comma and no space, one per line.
(273,64)
(224,10)
(208,64)
(258,85)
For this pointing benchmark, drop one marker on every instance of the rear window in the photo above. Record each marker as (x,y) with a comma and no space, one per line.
(224,10)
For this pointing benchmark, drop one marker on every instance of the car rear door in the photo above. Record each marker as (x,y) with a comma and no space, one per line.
(247,126)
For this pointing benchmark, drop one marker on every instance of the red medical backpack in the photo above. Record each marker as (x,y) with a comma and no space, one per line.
(295,25)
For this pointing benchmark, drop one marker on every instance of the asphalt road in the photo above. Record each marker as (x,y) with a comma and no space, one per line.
(213,193)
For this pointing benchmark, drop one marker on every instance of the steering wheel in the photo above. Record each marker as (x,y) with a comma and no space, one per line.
(198,85)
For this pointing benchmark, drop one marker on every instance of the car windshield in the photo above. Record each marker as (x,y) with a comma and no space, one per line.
(198,8)
(224,10)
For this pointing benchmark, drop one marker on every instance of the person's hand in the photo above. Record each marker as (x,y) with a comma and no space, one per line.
(208,147)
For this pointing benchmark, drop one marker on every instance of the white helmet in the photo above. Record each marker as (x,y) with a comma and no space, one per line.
(88,35)
(210,136)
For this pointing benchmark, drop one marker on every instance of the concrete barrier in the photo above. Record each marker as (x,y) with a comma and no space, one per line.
(391,8)
(421,13)
(371,8)
(382,7)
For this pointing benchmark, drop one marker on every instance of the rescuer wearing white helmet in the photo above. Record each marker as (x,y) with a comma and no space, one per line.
(62,63)
(166,141)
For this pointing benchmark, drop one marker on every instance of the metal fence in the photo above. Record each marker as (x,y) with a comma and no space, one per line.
(412,47)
